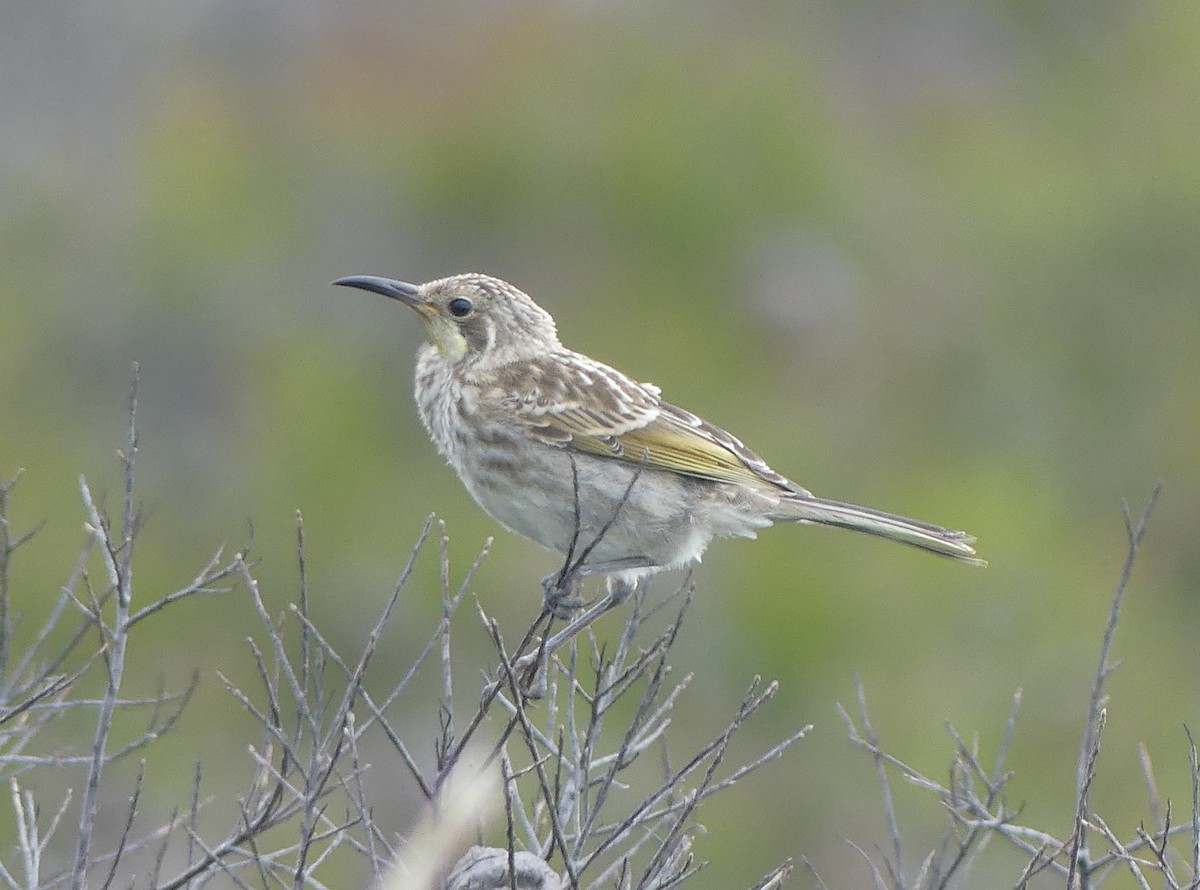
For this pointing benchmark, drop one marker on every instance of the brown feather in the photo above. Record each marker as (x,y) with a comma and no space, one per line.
(580,404)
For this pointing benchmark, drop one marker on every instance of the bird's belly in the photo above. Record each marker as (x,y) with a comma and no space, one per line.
(665,519)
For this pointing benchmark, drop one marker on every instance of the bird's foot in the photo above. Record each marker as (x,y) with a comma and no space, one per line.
(562,587)
(561,595)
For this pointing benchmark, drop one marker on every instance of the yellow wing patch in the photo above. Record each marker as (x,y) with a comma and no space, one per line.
(663,446)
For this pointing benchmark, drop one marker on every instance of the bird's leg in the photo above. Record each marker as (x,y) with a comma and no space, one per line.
(619,587)
(561,588)
(532,667)
(619,590)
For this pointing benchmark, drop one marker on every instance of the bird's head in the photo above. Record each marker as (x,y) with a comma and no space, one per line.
(471,317)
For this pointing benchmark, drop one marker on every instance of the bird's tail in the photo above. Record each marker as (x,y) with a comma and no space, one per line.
(934,538)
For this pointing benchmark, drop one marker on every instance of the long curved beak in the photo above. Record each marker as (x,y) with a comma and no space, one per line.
(408,294)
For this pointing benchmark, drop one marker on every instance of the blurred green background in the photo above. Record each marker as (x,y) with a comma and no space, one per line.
(938,259)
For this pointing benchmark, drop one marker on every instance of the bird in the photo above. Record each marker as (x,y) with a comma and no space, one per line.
(587,461)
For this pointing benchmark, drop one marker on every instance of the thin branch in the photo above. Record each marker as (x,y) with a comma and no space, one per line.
(1079,861)
(1103,668)
(885,788)
(121,578)
(1194,764)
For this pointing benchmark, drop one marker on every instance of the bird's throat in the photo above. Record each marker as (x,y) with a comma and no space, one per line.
(446,338)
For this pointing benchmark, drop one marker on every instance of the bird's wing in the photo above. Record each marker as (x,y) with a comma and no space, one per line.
(581,405)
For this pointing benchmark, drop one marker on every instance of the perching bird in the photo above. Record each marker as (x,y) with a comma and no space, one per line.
(573,454)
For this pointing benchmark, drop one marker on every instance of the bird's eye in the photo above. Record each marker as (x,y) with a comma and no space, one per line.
(460,307)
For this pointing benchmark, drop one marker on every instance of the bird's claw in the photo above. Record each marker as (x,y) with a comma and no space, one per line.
(561,596)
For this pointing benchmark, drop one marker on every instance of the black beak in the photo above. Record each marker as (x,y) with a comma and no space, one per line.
(408,294)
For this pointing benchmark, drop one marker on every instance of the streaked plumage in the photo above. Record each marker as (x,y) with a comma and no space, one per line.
(512,409)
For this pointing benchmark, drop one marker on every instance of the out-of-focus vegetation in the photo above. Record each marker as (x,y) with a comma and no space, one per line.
(937,259)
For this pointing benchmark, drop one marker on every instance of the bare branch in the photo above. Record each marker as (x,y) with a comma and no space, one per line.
(1103,668)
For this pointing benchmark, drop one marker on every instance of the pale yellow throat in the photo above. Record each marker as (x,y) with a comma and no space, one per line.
(446,337)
